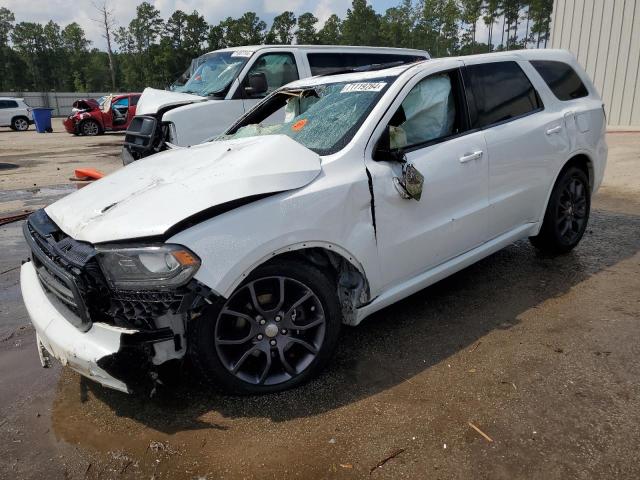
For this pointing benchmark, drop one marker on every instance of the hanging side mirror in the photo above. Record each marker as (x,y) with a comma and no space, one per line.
(411,183)
(256,85)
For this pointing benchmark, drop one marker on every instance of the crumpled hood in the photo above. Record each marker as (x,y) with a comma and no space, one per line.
(153,100)
(149,196)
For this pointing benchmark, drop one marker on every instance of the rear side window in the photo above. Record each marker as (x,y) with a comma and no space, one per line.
(8,104)
(563,81)
(324,63)
(498,92)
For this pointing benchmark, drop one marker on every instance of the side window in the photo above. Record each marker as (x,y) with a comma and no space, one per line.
(123,102)
(323,63)
(134,99)
(4,104)
(497,92)
(563,81)
(278,69)
(8,104)
(428,113)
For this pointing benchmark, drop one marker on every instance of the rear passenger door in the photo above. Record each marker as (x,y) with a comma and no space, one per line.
(7,110)
(521,140)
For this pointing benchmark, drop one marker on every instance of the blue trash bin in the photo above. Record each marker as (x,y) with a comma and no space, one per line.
(42,119)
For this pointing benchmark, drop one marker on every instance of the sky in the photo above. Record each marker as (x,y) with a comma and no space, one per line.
(83,12)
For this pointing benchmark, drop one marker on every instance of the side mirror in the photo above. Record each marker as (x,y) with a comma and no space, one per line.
(256,84)
(410,184)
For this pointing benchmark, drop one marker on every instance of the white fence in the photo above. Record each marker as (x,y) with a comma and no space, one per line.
(61,102)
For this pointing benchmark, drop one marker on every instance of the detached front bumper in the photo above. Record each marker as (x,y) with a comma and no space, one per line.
(79,350)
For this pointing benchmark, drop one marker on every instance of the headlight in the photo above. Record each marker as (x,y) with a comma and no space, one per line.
(155,267)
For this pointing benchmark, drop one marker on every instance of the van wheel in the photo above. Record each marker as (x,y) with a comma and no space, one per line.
(90,128)
(20,124)
(565,220)
(277,330)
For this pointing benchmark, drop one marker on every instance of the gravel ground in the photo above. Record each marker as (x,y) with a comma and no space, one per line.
(539,354)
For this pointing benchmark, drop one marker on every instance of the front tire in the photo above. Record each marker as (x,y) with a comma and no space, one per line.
(277,330)
(567,215)
(90,128)
(20,124)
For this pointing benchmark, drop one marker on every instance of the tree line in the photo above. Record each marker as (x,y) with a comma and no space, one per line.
(152,51)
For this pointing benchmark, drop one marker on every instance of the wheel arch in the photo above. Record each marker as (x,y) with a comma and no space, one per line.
(579,159)
(15,117)
(90,119)
(348,274)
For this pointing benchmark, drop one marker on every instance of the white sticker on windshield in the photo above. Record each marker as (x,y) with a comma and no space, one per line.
(242,53)
(363,87)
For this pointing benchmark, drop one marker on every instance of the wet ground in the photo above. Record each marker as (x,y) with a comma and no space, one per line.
(539,354)
(35,167)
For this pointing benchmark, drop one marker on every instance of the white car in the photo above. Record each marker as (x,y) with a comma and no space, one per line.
(249,252)
(221,86)
(15,113)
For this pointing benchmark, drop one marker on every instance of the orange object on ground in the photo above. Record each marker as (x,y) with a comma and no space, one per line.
(88,174)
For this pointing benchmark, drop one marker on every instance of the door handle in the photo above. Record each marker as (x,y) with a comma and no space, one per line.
(556,129)
(467,157)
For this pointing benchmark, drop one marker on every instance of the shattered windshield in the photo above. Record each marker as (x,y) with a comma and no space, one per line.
(323,118)
(214,73)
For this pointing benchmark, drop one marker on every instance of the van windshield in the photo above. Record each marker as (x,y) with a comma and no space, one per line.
(213,73)
(323,118)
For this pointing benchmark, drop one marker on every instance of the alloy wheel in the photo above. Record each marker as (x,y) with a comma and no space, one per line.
(270,330)
(90,128)
(21,124)
(571,213)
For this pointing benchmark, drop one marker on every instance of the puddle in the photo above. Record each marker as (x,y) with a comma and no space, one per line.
(8,166)
(49,193)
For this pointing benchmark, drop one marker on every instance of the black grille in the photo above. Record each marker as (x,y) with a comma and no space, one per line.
(140,308)
(59,260)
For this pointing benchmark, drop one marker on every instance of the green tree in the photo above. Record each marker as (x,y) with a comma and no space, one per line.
(397,25)
(541,17)
(492,11)
(29,42)
(246,30)
(331,32)
(306,33)
(281,31)
(361,25)
(471,10)
(7,18)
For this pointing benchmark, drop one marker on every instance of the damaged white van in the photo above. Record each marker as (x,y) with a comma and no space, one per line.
(220,86)
(248,253)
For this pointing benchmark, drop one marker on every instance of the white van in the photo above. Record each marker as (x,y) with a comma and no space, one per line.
(221,86)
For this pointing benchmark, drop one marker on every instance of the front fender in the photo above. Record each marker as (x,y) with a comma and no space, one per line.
(337,218)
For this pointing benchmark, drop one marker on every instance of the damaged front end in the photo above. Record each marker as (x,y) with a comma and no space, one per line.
(115,333)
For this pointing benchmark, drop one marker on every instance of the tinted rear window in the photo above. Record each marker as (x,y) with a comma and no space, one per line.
(497,92)
(323,63)
(563,81)
(8,104)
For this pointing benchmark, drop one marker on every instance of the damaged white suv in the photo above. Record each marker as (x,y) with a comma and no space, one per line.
(248,253)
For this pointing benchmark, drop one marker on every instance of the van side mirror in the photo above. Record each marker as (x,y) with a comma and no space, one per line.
(410,184)
(256,84)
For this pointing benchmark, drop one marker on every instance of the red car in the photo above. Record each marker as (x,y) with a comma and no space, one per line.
(94,117)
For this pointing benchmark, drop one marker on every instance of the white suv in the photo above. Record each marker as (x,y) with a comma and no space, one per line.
(249,252)
(15,113)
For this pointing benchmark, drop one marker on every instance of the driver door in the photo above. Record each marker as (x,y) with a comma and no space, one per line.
(430,125)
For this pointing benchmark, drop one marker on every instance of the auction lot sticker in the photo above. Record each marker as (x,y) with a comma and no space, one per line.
(363,87)
(242,53)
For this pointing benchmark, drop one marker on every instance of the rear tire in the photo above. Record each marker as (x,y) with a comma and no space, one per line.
(20,124)
(257,348)
(567,215)
(90,128)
